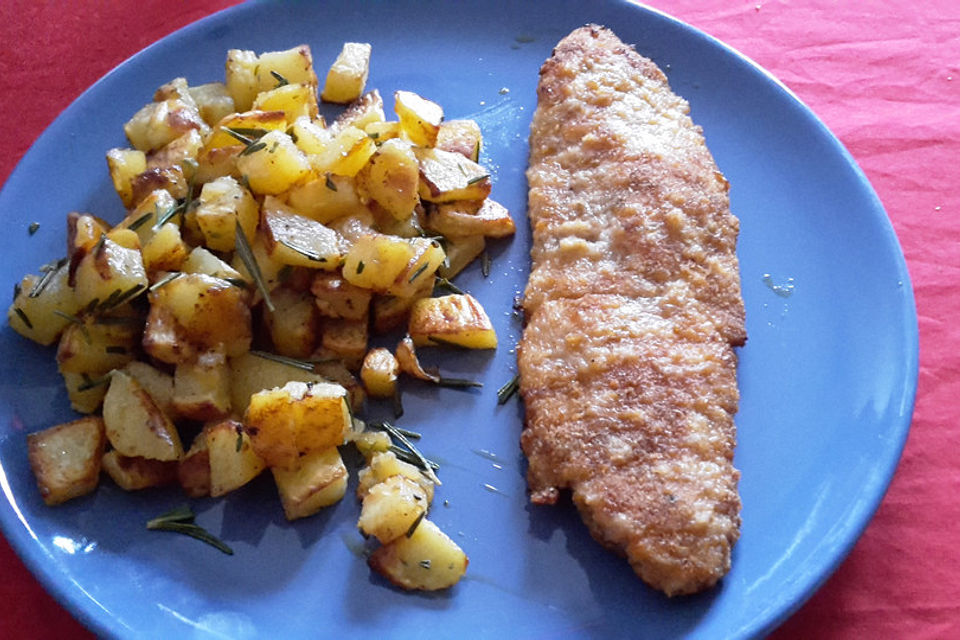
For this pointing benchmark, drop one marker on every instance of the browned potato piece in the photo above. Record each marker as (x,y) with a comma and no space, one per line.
(460,253)
(224,203)
(391,177)
(108,274)
(379,373)
(169,179)
(133,474)
(35,317)
(176,152)
(362,112)
(85,390)
(296,240)
(165,251)
(135,426)
(370,443)
(384,465)
(460,136)
(248,74)
(324,197)
(158,123)
(150,210)
(273,164)
(337,298)
(262,120)
(213,101)
(295,100)
(346,153)
(318,480)
(391,507)
(83,233)
(164,339)
(375,261)
(94,346)
(201,388)
(212,313)
(250,373)
(427,258)
(428,560)
(193,470)
(293,323)
(348,74)
(456,319)
(155,382)
(347,339)
(390,312)
(66,458)
(233,462)
(447,177)
(124,165)
(297,418)
(419,118)
(470,218)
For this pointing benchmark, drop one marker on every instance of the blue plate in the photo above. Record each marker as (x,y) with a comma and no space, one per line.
(828,376)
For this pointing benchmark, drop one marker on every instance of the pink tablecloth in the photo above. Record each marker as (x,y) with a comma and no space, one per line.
(884,76)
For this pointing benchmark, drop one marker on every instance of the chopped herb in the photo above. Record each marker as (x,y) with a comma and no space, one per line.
(129,295)
(397,404)
(115,348)
(246,135)
(462,170)
(476,152)
(245,181)
(485,264)
(139,222)
(457,383)
(306,253)
(426,465)
(23,316)
(443,283)
(32,229)
(305,365)
(239,438)
(425,564)
(90,383)
(166,216)
(285,272)
(373,135)
(49,271)
(91,306)
(240,283)
(97,248)
(250,262)
(72,318)
(253,148)
(508,390)
(416,523)
(416,274)
(331,184)
(165,280)
(181,520)
(281,81)
(360,267)
(17,290)
(477,179)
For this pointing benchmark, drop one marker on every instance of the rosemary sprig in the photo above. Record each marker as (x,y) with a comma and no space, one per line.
(309,254)
(181,520)
(240,283)
(508,390)
(456,383)
(397,404)
(291,362)
(166,216)
(244,135)
(360,267)
(121,298)
(239,437)
(443,283)
(426,465)
(68,316)
(253,148)
(250,262)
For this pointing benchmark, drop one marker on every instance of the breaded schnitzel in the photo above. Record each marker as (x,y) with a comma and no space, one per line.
(633,307)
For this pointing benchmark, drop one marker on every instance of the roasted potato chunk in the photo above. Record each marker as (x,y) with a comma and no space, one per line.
(224,204)
(460,136)
(293,322)
(273,164)
(298,241)
(201,388)
(133,474)
(249,74)
(250,373)
(337,298)
(447,177)
(135,425)
(108,275)
(33,313)
(346,154)
(346,339)
(456,319)
(391,507)
(295,100)
(460,252)
(384,465)
(124,165)
(391,178)
(427,560)
(213,101)
(65,459)
(419,118)
(165,251)
(233,461)
(348,74)
(379,373)
(470,218)
(193,470)
(318,480)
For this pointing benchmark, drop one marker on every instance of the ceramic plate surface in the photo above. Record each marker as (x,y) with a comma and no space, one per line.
(827,377)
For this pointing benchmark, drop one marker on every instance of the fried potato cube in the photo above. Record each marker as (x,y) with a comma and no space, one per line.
(273,164)
(297,418)
(241,77)
(293,322)
(224,203)
(202,261)
(213,101)
(297,240)
(84,390)
(65,459)
(346,153)
(233,461)
(193,470)
(133,474)
(364,111)
(212,313)
(428,560)
(319,480)
(156,383)
(383,131)
(456,319)
(144,219)
(83,233)
(108,274)
(93,346)
(295,100)
(348,74)
(446,177)
(391,507)
(419,118)
(125,238)
(375,261)
(250,373)
(166,250)
(460,136)
(337,298)
(324,197)
(390,312)
(124,165)
(370,443)
(386,464)
(461,251)
(428,256)
(379,373)
(35,317)
(271,269)
(246,120)
(201,388)
(391,178)
(177,152)
(347,340)
(469,218)
(169,179)
(159,123)
(164,339)
(248,74)
(135,425)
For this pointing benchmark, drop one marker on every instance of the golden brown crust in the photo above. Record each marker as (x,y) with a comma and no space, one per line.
(633,305)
